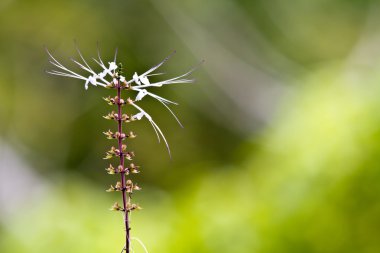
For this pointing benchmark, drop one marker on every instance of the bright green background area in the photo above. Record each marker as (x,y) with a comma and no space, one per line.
(305,179)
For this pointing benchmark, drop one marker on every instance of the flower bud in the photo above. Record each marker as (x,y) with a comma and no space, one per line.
(109,100)
(120,169)
(111,170)
(111,115)
(111,189)
(111,153)
(125,118)
(131,207)
(110,85)
(116,207)
(136,187)
(118,186)
(133,168)
(134,171)
(129,155)
(131,135)
(129,101)
(109,134)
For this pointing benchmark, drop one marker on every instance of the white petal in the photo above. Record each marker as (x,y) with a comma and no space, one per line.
(140,95)
(158,65)
(92,79)
(122,79)
(154,125)
(102,74)
(144,80)
(136,78)
(86,84)
(139,115)
(113,66)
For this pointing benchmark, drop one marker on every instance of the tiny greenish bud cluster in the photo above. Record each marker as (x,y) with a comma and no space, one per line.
(112,77)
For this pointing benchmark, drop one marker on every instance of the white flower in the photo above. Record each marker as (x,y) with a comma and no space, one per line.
(136,78)
(107,75)
(102,74)
(144,80)
(112,66)
(140,95)
(92,80)
(138,116)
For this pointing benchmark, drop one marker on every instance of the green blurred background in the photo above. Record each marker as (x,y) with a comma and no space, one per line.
(281,146)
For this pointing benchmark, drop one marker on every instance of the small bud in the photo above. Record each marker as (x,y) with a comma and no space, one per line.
(112,152)
(111,115)
(118,186)
(131,135)
(111,189)
(110,85)
(123,147)
(125,85)
(119,101)
(116,207)
(109,100)
(131,207)
(111,170)
(136,187)
(129,101)
(120,168)
(134,171)
(125,118)
(109,134)
(133,168)
(108,156)
(129,155)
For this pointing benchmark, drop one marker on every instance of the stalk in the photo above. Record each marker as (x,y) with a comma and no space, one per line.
(125,185)
(122,174)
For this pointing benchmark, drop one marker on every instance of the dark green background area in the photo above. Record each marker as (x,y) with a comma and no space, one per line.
(281,146)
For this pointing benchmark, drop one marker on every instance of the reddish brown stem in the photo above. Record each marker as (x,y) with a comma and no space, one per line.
(122,174)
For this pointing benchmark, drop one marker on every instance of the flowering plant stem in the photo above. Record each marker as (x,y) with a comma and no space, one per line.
(122,174)
(111,78)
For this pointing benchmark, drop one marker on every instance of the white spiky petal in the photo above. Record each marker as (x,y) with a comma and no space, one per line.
(141,95)
(136,78)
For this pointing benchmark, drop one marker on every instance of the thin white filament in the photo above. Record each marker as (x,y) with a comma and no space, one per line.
(141,243)
(154,125)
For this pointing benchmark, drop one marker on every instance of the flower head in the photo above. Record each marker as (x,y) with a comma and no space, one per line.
(110,76)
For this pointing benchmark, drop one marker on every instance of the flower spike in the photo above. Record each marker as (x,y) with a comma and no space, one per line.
(110,75)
